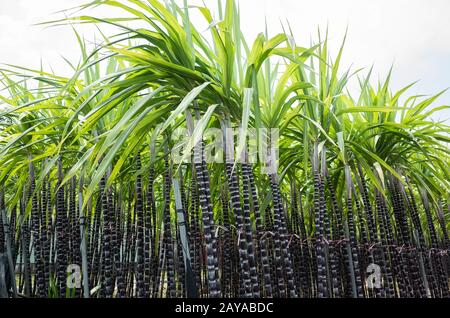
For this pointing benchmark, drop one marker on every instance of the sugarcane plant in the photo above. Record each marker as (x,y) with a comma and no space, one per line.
(179,164)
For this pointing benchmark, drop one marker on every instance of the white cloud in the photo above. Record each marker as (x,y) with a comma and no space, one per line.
(413,35)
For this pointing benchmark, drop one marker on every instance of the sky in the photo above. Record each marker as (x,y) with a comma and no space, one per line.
(413,36)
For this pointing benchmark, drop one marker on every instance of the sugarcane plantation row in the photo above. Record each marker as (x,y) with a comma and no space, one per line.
(183,162)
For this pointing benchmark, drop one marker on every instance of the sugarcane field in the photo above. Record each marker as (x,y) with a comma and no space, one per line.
(182,159)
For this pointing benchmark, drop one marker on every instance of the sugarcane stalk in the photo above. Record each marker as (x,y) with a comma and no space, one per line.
(83,247)
(6,231)
(190,281)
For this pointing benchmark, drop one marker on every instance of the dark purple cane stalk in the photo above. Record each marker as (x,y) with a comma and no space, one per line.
(45,237)
(384,251)
(196,235)
(259,229)
(233,186)
(140,285)
(167,240)
(320,238)
(441,276)
(108,282)
(403,236)
(202,176)
(61,240)
(420,237)
(36,235)
(227,249)
(148,235)
(248,227)
(335,251)
(286,285)
(352,235)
